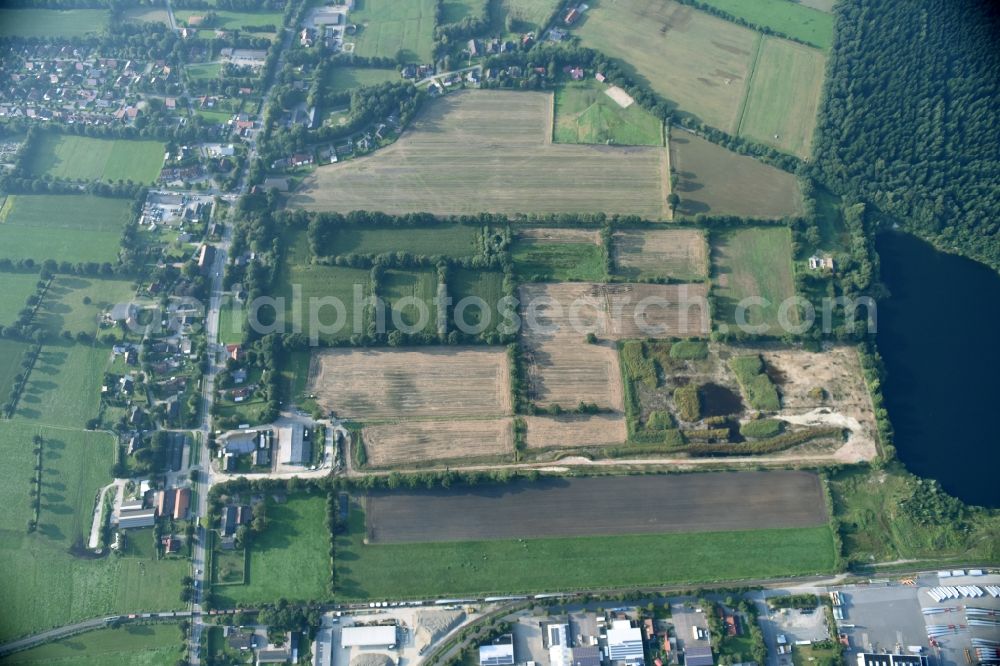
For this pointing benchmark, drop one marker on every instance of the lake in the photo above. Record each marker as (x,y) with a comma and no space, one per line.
(939,334)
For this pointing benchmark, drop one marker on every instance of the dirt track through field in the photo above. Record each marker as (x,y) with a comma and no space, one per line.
(602,506)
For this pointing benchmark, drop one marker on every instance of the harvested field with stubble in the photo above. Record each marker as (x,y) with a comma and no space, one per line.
(427,382)
(680,254)
(413,442)
(714,501)
(491,151)
(616,311)
(574,431)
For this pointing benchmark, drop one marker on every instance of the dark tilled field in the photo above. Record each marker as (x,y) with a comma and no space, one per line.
(708,502)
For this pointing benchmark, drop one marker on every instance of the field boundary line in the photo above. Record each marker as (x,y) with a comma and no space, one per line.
(749,86)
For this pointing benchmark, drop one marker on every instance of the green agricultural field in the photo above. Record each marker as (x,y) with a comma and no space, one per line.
(64,388)
(453,11)
(11,354)
(421,284)
(343,78)
(788,17)
(290,559)
(50,23)
(452,240)
(523,565)
(716,181)
(709,58)
(84,158)
(522,16)
(204,71)
(64,227)
(541,261)
(585,114)
(17,287)
(147,15)
(753,262)
(323,282)
(781,107)
(132,645)
(386,27)
(43,585)
(76,303)
(231,318)
(487,285)
(232,20)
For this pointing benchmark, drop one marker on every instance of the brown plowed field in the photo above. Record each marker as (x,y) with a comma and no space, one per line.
(425,382)
(600,506)
(411,442)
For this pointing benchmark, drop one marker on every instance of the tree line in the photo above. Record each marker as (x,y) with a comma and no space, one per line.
(910,123)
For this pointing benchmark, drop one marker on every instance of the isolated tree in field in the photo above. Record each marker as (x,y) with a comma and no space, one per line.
(673,200)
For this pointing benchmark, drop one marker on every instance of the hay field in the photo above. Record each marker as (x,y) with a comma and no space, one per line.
(680,254)
(716,181)
(491,151)
(783,101)
(695,61)
(427,382)
(410,442)
(557,255)
(574,431)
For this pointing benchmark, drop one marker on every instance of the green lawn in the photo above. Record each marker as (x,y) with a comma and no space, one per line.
(585,114)
(785,16)
(43,585)
(231,321)
(84,158)
(75,303)
(541,261)
(203,71)
(64,388)
(429,570)
(131,645)
(453,11)
(289,559)
(421,284)
(326,282)
(51,23)
(64,227)
(343,78)
(783,99)
(386,27)
(753,263)
(527,15)
(17,287)
(486,285)
(453,240)
(147,15)
(231,20)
